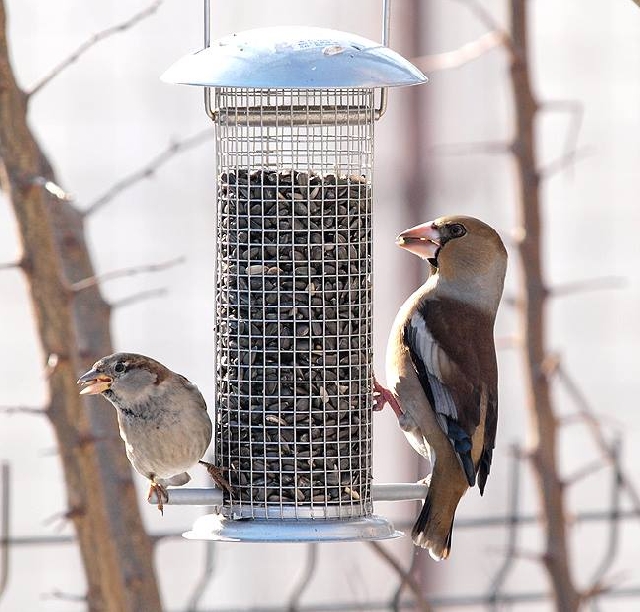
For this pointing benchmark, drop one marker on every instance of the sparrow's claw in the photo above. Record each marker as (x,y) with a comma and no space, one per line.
(216,473)
(383,396)
(162,495)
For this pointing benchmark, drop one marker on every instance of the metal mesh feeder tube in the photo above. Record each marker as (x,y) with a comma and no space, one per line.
(293,301)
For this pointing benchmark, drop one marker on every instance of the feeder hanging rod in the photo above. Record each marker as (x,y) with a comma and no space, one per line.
(397,491)
(338,114)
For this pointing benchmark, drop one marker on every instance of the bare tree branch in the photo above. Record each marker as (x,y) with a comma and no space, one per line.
(461,56)
(408,579)
(88,44)
(544,427)
(149,169)
(92,281)
(115,550)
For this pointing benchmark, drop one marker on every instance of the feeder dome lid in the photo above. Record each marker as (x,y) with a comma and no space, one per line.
(294,57)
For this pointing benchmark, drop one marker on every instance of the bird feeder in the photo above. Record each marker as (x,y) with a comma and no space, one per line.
(294,110)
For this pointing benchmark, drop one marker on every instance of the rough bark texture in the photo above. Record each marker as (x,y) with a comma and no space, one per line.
(116,551)
(544,426)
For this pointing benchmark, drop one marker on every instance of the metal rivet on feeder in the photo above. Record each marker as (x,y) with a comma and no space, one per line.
(294,110)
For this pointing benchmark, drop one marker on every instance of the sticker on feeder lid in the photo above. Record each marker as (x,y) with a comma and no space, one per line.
(312,43)
(333,50)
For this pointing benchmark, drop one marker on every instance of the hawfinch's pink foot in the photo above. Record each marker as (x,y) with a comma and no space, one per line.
(383,396)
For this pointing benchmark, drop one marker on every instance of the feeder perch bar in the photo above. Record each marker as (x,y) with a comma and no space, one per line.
(294,110)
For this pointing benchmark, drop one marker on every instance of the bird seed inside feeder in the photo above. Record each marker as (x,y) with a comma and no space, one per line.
(293,326)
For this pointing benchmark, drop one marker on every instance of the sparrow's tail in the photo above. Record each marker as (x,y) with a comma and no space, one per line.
(431,531)
(175,481)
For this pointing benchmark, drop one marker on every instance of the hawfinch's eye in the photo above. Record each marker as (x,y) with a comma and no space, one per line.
(119,367)
(456,230)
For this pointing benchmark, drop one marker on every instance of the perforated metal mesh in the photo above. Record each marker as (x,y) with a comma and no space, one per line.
(293,301)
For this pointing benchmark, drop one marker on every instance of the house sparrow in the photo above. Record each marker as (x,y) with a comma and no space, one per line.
(441,365)
(162,417)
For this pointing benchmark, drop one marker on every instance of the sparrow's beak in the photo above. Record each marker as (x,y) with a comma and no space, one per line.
(422,240)
(96,382)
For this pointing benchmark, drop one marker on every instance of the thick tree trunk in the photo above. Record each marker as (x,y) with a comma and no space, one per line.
(74,329)
(544,427)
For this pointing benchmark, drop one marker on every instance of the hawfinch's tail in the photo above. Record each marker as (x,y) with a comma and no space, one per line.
(431,533)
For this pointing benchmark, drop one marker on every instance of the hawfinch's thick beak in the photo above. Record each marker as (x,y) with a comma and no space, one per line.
(95,382)
(422,240)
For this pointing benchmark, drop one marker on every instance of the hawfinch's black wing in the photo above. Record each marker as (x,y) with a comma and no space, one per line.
(452,350)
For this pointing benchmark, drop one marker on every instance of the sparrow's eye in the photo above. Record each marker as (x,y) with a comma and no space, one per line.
(456,230)
(119,367)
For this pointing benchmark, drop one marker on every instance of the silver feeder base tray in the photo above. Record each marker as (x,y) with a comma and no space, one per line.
(220,528)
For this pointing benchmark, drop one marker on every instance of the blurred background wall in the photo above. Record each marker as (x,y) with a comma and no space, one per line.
(108,114)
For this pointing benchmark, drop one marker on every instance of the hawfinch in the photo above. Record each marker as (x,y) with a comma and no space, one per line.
(441,365)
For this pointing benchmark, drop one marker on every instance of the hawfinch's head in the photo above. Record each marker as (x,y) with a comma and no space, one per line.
(460,248)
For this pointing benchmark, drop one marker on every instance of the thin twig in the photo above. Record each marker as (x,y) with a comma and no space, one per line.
(504,343)
(512,301)
(5,524)
(205,578)
(62,596)
(609,556)
(512,534)
(11,265)
(397,598)
(88,44)
(92,281)
(22,410)
(139,297)
(463,55)
(305,579)
(487,19)
(600,418)
(593,284)
(148,169)
(565,160)
(407,578)
(576,112)
(585,408)
(468,148)
(584,472)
